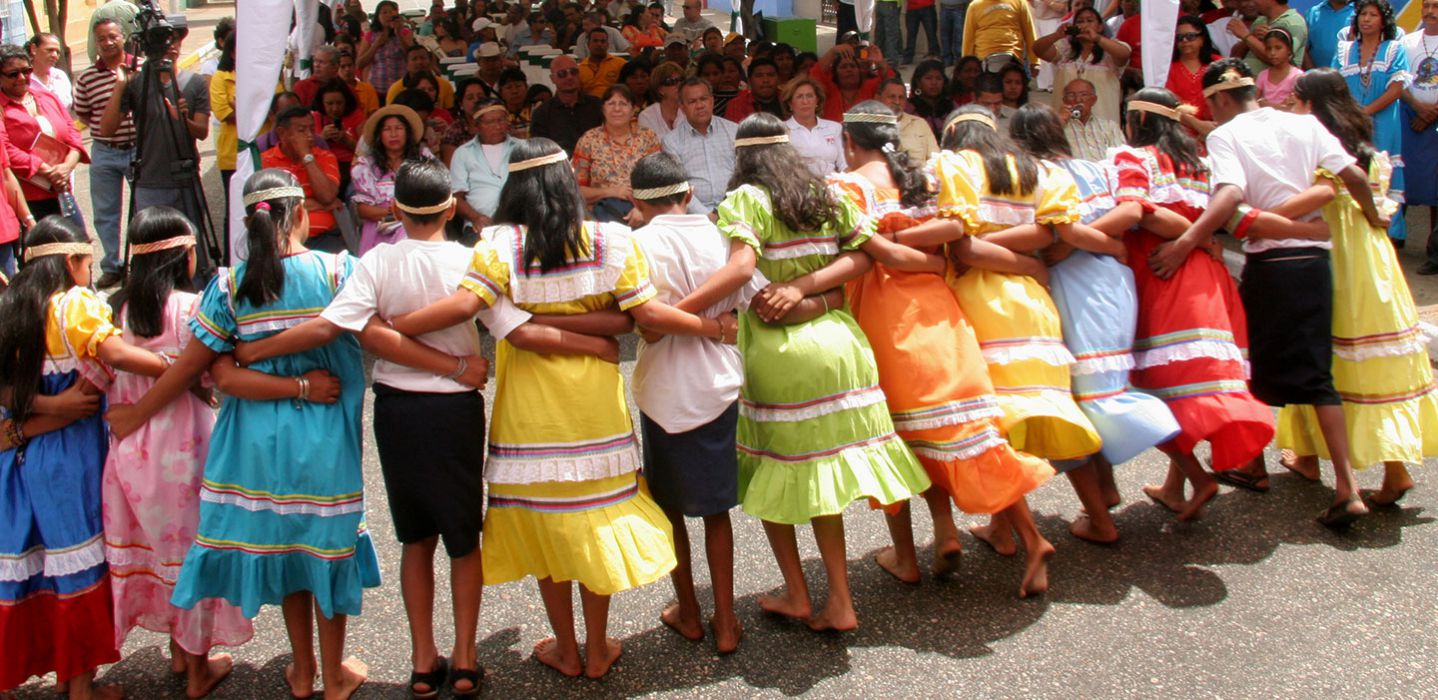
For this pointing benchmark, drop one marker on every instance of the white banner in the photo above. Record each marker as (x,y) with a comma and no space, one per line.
(1157,24)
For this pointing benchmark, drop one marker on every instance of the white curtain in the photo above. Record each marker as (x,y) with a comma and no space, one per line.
(1157,24)
(263,27)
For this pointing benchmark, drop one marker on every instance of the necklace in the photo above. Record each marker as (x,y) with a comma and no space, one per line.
(1365,70)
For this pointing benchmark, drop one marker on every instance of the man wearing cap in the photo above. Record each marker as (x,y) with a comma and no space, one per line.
(676,51)
(317,170)
(591,20)
(419,61)
(599,70)
(566,116)
(692,25)
(121,11)
(734,45)
(704,143)
(762,94)
(491,64)
(480,167)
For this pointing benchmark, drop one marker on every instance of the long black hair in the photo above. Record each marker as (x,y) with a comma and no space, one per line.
(1170,137)
(413,144)
(546,201)
(995,149)
(1389,31)
(229,44)
(1206,52)
(153,275)
(884,138)
(22,334)
(374,24)
(268,224)
(1327,93)
(798,198)
(334,85)
(1036,128)
(1076,46)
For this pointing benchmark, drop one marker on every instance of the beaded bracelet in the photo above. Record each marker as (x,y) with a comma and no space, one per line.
(15,434)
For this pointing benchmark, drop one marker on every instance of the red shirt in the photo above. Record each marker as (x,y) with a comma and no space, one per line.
(1131,33)
(834,105)
(9,223)
(320,221)
(22,130)
(351,125)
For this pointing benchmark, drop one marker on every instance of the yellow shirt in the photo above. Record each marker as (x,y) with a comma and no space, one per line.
(999,26)
(446,92)
(77,322)
(369,97)
(222,106)
(595,79)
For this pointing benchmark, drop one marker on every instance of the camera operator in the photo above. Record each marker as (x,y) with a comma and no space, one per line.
(167,131)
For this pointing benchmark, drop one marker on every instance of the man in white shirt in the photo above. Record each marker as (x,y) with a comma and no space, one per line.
(617,42)
(1089,136)
(692,25)
(1420,121)
(1262,157)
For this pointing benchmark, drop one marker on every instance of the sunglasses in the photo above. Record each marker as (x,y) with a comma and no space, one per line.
(670,82)
(13,74)
(566,72)
(1188,36)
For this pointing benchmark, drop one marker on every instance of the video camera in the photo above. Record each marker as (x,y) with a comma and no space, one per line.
(156,31)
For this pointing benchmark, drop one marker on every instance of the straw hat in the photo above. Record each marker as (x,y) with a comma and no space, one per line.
(371,125)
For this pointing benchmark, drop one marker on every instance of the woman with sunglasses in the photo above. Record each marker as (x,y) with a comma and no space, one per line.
(1192,52)
(28,113)
(661,116)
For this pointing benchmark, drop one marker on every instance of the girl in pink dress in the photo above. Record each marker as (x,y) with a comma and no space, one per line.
(151,486)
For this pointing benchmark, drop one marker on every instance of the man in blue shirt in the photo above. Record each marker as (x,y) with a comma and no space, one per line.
(1325,20)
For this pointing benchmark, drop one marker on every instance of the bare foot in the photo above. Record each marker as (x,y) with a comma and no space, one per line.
(177,659)
(1001,538)
(1173,502)
(1084,528)
(301,687)
(217,668)
(1305,466)
(831,620)
(547,653)
(1392,492)
(353,674)
(888,559)
(786,607)
(1194,506)
(109,691)
(1036,570)
(598,661)
(1112,499)
(946,556)
(727,633)
(687,627)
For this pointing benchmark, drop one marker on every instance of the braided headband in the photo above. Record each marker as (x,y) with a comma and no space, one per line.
(41,251)
(421,211)
(1155,108)
(185,241)
(761,140)
(984,119)
(858,118)
(550,159)
(491,108)
(657,192)
(258,196)
(1230,81)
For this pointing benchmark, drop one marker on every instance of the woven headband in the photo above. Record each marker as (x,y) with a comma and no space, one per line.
(657,192)
(984,119)
(550,159)
(761,140)
(185,241)
(1230,81)
(861,118)
(421,211)
(258,196)
(1156,108)
(40,251)
(490,108)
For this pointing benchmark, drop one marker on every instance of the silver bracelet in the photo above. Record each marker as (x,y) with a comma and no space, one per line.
(304,394)
(458,371)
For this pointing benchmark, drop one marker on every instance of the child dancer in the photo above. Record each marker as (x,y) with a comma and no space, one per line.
(565,503)
(814,434)
(282,502)
(933,375)
(55,600)
(1098,308)
(151,487)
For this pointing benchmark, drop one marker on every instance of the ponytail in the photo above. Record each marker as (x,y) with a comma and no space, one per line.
(268,221)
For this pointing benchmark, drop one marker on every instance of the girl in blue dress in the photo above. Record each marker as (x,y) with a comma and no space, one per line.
(282,502)
(1375,66)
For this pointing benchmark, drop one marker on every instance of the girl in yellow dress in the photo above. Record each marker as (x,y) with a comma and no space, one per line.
(565,499)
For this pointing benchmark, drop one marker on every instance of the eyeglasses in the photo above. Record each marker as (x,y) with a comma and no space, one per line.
(670,82)
(13,74)
(1077,95)
(1188,36)
(566,72)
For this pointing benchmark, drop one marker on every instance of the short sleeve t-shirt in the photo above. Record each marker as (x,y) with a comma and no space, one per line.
(159,148)
(1423,64)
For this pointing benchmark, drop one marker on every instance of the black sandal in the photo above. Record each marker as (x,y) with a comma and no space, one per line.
(475,676)
(434,679)
(1242,479)
(1337,516)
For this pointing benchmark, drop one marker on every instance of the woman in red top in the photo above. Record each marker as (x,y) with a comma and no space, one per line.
(1192,52)
(842,73)
(338,118)
(13,212)
(29,112)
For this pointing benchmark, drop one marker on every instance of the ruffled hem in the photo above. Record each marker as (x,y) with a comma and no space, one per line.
(34,645)
(143,601)
(249,580)
(1084,366)
(1406,431)
(1130,423)
(981,473)
(1197,350)
(611,548)
(1413,345)
(1236,425)
(527,470)
(1048,424)
(1050,353)
(795,492)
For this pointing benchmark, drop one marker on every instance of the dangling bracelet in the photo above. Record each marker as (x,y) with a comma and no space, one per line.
(304,394)
(15,434)
(458,371)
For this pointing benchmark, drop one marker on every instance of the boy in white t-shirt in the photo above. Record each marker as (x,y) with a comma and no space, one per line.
(426,405)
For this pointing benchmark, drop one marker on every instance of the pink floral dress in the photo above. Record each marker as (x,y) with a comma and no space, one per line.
(151,505)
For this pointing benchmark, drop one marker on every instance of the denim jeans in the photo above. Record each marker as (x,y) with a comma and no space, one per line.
(923,16)
(107,198)
(886,31)
(951,28)
(7,258)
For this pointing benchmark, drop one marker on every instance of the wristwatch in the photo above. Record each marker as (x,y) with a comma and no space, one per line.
(309,158)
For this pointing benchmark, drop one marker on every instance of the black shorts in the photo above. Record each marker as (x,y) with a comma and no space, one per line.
(696,472)
(1288,296)
(431,452)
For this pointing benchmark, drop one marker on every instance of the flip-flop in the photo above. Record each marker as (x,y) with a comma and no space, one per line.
(1241,479)
(434,679)
(1337,516)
